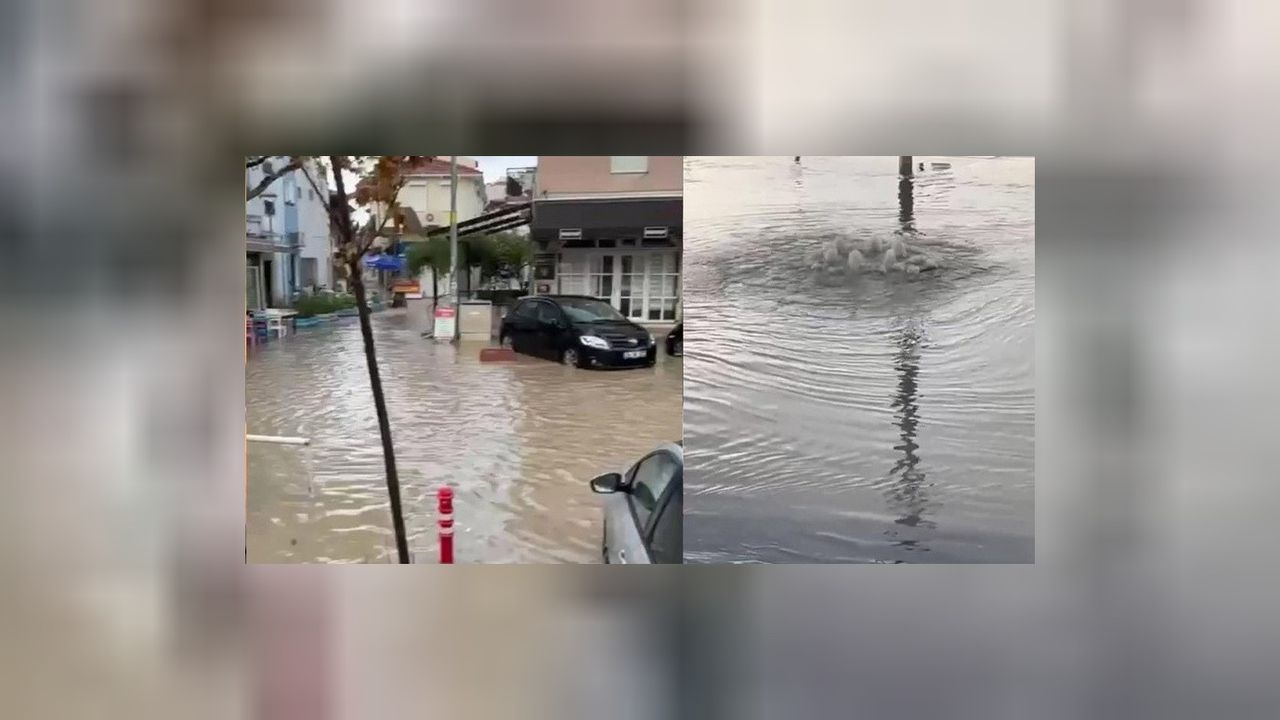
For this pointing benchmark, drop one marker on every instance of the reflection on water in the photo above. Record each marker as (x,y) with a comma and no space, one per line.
(518,441)
(848,415)
(906,495)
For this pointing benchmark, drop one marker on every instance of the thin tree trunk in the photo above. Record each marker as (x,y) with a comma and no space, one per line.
(384,423)
(371,359)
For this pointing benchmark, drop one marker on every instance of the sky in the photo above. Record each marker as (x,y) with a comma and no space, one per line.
(495,167)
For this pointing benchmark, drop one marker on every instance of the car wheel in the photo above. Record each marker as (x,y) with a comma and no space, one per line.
(679,347)
(570,357)
(505,341)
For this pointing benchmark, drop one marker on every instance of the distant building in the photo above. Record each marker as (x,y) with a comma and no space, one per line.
(495,193)
(426,191)
(287,243)
(612,227)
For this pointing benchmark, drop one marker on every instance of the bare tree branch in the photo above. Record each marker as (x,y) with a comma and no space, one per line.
(391,211)
(348,243)
(325,195)
(255,162)
(271,177)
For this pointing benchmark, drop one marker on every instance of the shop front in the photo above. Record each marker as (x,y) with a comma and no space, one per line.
(625,251)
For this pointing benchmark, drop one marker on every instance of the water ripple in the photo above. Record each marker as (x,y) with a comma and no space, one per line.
(518,441)
(854,416)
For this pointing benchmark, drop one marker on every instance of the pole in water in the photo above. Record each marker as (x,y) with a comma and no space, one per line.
(906,195)
(444,501)
(453,243)
(277,439)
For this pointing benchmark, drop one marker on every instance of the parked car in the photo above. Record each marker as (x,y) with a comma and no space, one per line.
(675,341)
(644,509)
(576,330)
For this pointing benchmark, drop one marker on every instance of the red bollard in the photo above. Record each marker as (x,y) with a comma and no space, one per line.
(445,503)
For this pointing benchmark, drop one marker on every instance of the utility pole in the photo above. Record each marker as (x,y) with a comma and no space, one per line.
(453,243)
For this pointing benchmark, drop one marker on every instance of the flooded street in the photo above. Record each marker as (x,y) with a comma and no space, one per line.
(518,442)
(840,413)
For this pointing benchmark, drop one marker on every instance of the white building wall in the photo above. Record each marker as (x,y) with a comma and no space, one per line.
(313,223)
(429,197)
(257,206)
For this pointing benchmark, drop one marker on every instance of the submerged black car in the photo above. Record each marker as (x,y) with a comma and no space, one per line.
(576,330)
(675,340)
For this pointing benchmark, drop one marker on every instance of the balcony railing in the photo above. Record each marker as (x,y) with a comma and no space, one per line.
(520,182)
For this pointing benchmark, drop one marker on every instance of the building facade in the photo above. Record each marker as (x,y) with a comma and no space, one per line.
(426,191)
(288,247)
(611,227)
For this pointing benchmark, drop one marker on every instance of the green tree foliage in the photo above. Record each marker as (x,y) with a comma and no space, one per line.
(430,254)
(499,254)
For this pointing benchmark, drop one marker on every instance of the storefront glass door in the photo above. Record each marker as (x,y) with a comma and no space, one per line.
(643,286)
(253,287)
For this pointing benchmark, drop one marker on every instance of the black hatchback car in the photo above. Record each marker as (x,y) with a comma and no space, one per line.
(576,330)
(675,341)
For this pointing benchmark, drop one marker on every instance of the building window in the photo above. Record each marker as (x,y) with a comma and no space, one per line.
(309,273)
(573,273)
(600,279)
(663,275)
(619,164)
(253,287)
(643,286)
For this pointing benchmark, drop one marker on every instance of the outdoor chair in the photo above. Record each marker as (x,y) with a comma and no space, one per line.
(264,325)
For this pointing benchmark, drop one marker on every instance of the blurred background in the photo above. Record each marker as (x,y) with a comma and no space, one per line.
(1152,123)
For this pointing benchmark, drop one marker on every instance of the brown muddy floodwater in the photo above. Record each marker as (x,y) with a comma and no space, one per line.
(517,441)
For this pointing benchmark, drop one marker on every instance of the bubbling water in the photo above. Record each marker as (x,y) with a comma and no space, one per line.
(850,256)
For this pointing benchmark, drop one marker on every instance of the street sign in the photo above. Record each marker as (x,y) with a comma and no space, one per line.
(544,266)
(446,321)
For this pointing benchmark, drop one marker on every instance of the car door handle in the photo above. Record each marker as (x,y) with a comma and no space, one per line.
(622,556)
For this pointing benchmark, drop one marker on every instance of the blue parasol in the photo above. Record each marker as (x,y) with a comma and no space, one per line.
(384,262)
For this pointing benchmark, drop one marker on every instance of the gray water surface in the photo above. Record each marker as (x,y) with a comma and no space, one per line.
(838,416)
(517,442)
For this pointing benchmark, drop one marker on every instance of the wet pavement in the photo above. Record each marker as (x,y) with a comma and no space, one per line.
(836,412)
(518,442)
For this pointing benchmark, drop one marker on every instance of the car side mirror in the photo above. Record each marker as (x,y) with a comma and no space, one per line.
(607,483)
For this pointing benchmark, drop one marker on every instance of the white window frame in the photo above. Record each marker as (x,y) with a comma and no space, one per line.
(582,273)
(668,270)
(628,164)
(259,302)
